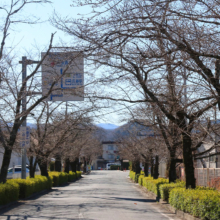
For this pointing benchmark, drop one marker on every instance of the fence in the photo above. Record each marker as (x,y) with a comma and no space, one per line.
(205,175)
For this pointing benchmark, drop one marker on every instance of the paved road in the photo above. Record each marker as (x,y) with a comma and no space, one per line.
(104,195)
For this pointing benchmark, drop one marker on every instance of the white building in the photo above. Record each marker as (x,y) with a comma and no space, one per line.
(109,155)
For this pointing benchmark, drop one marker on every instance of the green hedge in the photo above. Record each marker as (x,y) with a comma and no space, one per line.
(132,175)
(31,185)
(78,174)
(60,178)
(55,177)
(72,176)
(63,178)
(140,180)
(9,192)
(166,188)
(136,177)
(15,189)
(154,184)
(200,202)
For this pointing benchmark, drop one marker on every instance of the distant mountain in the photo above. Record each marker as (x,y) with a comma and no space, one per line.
(107,126)
(32,125)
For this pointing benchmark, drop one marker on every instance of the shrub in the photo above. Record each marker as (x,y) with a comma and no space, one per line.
(115,167)
(78,174)
(136,177)
(63,178)
(31,185)
(9,192)
(201,203)
(132,175)
(142,172)
(55,178)
(145,179)
(59,178)
(45,182)
(153,184)
(26,187)
(140,180)
(166,188)
(72,176)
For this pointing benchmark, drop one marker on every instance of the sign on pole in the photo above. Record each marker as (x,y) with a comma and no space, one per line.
(25,137)
(66,69)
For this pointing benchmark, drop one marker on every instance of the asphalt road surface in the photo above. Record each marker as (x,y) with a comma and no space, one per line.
(104,195)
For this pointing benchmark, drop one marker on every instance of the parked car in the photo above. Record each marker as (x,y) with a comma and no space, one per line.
(108,165)
(17,170)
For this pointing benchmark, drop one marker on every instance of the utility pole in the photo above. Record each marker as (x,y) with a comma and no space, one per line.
(24,107)
(24,63)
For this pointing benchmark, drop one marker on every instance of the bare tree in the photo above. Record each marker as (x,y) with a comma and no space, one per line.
(12,90)
(139,46)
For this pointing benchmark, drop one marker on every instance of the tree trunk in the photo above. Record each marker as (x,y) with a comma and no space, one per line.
(132,166)
(43,167)
(122,165)
(58,165)
(156,168)
(146,167)
(32,167)
(5,165)
(73,166)
(67,166)
(84,165)
(188,161)
(137,168)
(171,167)
(151,166)
(78,164)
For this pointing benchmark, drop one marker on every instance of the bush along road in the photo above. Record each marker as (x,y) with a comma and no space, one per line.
(202,202)
(15,189)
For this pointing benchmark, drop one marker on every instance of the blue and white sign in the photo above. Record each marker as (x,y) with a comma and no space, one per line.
(24,137)
(66,72)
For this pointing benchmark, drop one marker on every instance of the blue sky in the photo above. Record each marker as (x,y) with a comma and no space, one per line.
(30,40)
(29,36)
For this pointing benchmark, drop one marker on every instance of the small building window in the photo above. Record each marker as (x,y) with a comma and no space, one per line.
(111,156)
(110,147)
(212,158)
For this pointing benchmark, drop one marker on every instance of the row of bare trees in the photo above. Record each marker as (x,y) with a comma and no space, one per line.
(163,54)
(65,137)
(160,55)
(62,136)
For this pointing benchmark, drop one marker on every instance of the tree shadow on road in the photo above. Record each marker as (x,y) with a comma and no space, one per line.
(134,199)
